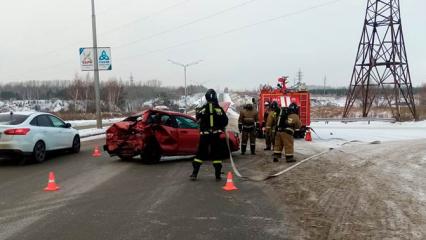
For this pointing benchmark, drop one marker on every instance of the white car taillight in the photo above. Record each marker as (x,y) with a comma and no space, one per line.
(17,131)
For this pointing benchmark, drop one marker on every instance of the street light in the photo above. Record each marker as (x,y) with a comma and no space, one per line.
(184,71)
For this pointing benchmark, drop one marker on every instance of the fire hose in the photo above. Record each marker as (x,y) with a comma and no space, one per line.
(235,169)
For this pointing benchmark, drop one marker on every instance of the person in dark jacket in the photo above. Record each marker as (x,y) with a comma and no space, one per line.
(213,121)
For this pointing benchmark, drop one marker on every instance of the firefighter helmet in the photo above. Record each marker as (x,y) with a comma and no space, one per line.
(293,108)
(274,105)
(211,95)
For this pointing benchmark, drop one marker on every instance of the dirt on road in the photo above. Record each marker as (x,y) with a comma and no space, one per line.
(355,191)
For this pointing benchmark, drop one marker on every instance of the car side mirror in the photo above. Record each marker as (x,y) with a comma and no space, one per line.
(67,125)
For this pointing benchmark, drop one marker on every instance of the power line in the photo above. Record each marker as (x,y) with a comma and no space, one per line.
(237,29)
(144,18)
(153,14)
(187,24)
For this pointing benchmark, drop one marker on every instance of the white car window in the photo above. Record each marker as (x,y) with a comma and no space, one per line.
(57,122)
(12,119)
(44,121)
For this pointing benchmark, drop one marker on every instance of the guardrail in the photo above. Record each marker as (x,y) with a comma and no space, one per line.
(392,120)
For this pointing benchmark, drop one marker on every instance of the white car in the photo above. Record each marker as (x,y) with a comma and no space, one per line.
(32,134)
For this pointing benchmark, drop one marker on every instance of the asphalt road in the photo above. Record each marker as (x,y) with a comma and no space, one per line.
(105,198)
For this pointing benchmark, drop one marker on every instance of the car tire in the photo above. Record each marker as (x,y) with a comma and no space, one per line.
(125,158)
(76,144)
(152,152)
(39,152)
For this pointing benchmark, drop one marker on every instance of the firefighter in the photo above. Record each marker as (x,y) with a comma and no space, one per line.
(247,126)
(287,122)
(270,125)
(213,121)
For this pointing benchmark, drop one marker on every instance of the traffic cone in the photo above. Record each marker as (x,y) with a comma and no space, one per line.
(51,185)
(229,186)
(308,136)
(96,152)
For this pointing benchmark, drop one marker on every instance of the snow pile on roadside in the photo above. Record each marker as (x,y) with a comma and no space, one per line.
(84,133)
(84,123)
(362,131)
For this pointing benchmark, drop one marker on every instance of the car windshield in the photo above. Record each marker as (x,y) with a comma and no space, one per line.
(12,119)
(134,118)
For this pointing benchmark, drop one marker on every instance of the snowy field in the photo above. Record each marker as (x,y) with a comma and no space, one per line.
(362,131)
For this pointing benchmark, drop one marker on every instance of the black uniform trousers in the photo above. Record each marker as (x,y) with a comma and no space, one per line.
(212,148)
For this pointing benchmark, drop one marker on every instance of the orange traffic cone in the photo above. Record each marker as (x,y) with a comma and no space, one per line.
(308,136)
(96,152)
(51,185)
(229,186)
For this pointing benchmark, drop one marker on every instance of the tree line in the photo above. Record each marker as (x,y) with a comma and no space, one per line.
(116,95)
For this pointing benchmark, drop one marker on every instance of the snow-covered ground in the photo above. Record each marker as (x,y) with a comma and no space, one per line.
(328,101)
(85,123)
(52,105)
(362,131)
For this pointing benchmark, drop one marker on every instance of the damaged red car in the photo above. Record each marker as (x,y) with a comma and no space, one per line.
(155,133)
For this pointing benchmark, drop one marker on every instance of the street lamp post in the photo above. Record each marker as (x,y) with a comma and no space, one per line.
(184,72)
(96,69)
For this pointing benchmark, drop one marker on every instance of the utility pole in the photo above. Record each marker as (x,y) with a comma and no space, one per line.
(96,69)
(299,77)
(325,81)
(184,71)
(132,82)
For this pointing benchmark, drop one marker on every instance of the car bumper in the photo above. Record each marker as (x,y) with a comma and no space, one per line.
(13,153)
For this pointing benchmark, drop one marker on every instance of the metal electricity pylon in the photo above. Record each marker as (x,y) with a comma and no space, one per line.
(381,67)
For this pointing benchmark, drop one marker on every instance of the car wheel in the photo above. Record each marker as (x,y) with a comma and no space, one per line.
(125,158)
(39,152)
(76,144)
(152,152)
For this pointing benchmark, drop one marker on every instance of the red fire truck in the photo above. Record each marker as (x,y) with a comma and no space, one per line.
(284,96)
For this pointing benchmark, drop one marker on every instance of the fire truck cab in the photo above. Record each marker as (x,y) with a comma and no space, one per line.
(284,96)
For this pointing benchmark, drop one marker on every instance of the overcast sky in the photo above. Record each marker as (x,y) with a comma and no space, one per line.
(40,39)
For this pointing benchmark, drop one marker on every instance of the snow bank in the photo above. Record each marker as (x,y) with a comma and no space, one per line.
(362,131)
(84,123)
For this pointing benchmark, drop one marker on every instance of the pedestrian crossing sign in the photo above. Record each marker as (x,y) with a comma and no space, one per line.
(87,59)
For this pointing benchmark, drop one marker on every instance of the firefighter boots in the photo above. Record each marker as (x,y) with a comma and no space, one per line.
(196,166)
(218,171)
(290,159)
(267,149)
(276,159)
(253,150)
(243,149)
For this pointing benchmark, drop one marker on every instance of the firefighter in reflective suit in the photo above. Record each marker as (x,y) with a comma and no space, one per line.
(287,122)
(271,121)
(247,125)
(213,121)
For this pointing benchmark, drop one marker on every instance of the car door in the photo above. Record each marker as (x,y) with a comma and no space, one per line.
(189,135)
(166,134)
(63,135)
(47,134)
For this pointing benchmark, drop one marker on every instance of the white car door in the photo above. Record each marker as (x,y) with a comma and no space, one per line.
(44,127)
(63,135)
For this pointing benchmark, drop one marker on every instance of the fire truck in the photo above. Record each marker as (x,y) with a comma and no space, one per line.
(284,96)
